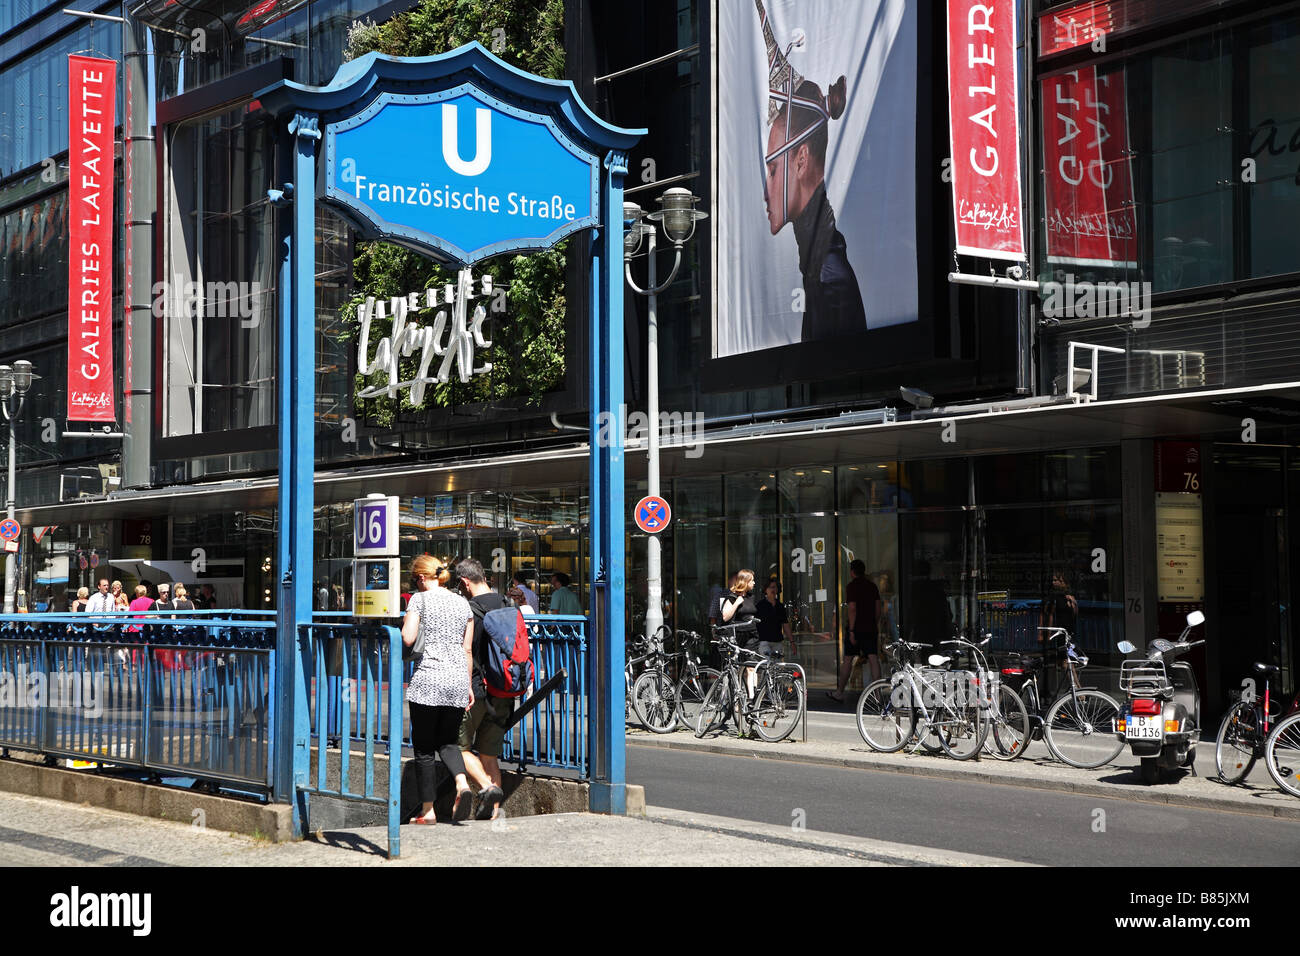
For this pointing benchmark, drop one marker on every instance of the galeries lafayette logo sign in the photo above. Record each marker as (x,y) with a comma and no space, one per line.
(92,97)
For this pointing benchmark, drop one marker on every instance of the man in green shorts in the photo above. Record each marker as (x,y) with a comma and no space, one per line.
(483,728)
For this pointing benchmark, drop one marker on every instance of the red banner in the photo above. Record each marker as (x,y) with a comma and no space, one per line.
(92,98)
(1076,26)
(1088,182)
(983,110)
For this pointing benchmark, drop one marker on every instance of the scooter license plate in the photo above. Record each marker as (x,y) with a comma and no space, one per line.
(1142,728)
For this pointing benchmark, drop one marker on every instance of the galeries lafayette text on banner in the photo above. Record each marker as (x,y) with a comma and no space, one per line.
(983,106)
(92,98)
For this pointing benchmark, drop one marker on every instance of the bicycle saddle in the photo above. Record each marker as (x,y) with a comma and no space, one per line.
(938,660)
(1268,670)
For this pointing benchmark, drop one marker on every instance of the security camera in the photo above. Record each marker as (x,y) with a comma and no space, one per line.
(916,398)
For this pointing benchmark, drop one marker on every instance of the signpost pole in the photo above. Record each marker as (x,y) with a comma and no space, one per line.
(11,560)
(297,468)
(608,778)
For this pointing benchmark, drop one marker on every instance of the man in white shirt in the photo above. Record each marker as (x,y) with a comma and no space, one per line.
(100,602)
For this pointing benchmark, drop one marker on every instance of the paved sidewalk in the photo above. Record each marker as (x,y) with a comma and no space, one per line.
(40,832)
(1036,770)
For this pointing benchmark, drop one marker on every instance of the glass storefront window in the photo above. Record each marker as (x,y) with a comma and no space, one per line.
(1273,72)
(1191,213)
(34,97)
(805,490)
(868,487)
(751,493)
(219,345)
(931,484)
(696,498)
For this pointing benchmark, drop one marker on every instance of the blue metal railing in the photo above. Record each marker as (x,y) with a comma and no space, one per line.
(553,735)
(164,692)
(192,693)
(360,707)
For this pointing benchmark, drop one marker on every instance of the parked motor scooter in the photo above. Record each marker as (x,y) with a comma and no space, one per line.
(1162,719)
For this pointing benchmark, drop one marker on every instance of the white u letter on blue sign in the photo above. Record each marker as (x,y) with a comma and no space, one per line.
(482,141)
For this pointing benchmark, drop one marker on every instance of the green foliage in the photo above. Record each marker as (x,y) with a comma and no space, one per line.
(527,351)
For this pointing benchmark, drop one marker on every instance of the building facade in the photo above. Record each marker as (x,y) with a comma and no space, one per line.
(1010,489)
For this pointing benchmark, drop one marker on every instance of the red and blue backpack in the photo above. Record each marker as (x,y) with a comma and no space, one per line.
(508,665)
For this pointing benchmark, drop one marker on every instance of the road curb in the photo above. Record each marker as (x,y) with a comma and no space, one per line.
(934,767)
(858,849)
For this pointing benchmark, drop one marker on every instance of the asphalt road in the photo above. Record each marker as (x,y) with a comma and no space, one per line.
(1032,826)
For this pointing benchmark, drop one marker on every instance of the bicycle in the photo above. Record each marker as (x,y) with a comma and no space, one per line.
(1076,726)
(892,712)
(662,701)
(1245,732)
(637,654)
(1008,717)
(776,705)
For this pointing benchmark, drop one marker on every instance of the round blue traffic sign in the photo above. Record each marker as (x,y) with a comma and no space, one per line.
(10,529)
(652,514)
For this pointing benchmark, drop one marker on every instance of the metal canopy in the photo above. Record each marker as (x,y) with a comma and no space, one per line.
(1211,415)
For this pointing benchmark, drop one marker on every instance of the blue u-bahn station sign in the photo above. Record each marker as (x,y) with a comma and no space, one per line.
(491,177)
(460,157)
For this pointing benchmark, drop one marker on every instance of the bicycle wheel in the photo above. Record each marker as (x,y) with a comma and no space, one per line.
(1009,728)
(962,728)
(885,728)
(1282,755)
(1079,730)
(655,700)
(1237,745)
(691,692)
(715,709)
(779,704)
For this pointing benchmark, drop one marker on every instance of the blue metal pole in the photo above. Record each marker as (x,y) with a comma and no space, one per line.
(306,131)
(608,783)
(297,295)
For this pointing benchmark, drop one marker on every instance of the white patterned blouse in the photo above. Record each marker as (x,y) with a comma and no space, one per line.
(441,679)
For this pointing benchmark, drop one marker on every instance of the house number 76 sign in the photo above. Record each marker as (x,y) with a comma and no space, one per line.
(375,529)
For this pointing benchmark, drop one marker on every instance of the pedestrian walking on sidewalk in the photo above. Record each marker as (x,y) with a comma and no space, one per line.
(865,608)
(439,692)
(484,727)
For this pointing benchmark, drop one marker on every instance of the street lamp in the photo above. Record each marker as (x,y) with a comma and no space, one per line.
(678,215)
(15,381)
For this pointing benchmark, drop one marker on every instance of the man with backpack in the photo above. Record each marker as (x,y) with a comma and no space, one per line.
(483,728)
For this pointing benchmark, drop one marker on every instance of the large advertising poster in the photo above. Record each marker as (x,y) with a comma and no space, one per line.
(1087,177)
(815,188)
(983,116)
(92,99)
